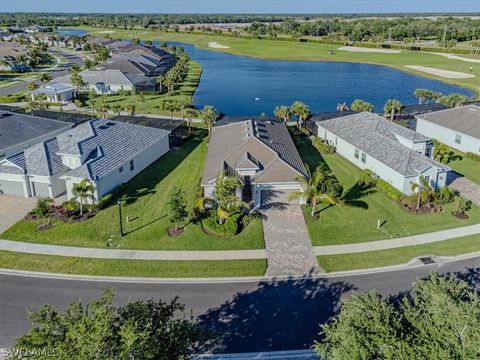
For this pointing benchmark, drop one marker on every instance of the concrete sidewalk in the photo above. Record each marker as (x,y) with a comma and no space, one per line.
(399,242)
(45,249)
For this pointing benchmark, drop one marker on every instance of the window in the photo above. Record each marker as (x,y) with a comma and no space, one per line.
(325,137)
(132,165)
(458,139)
(364,157)
(357,153)
(121,169)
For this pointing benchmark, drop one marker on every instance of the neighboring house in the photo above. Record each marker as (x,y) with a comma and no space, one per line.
(56,92)
(35,29)
(458,128)
(396,154)
(108,153)
(19,132)
(9,54)
(261,153)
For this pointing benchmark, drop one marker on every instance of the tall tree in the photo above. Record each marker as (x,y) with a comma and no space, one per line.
(440,319)
(209,116)
(137,330)
(190,113)
(83,191)
(391,107)
(302,112)
(360,106)
(177,207)
(283,112)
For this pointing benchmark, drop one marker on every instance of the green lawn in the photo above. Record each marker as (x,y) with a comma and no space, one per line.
(290,50)
(131,268)
(372,259)
(147,195)
(466,167)
(354,224)
(151,103)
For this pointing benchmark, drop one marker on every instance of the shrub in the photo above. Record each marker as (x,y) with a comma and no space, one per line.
(78,103)
(389,190)
(472,156)
(228,228)
(43,207)
(322,147)
(104,201)
(71,205)
(368,178)
(305,131)
(445,195)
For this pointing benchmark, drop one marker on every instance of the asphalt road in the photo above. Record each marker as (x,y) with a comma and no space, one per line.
(247,316)
(60,70)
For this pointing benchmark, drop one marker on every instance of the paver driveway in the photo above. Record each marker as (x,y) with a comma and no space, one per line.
(13,209)
(467,188)
(288,246)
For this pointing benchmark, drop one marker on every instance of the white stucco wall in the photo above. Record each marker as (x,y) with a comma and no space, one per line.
(22,179)
(447,136)
(386,173)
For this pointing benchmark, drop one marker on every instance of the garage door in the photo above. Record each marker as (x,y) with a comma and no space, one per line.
(40,189)
(277,196)
(11,188)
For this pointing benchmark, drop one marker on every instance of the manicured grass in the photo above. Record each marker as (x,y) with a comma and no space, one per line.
(146,206)
(133,268)
(466,167)
(357,221)
(290,50)
(151,103)
(397,256)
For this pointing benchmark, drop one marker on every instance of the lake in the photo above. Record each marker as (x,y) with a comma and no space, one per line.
(237,85)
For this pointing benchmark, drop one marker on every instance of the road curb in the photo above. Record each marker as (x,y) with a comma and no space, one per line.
(413,264)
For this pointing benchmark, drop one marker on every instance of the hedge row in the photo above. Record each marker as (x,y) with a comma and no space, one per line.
(472,156)
(389,190)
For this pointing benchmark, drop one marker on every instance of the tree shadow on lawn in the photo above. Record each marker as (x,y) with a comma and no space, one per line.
(145,225)
(277,315)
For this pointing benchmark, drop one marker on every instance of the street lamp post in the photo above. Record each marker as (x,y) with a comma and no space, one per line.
(120,223)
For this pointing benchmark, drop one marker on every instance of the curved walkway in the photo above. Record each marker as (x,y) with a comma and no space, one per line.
(45,249)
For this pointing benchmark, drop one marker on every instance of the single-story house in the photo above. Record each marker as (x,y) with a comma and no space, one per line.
(394,153)
(19,132)
(56,92)
(458,128)
(9,54)
(261,153)
(106,152)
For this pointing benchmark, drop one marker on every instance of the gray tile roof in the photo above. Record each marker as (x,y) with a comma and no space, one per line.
(465,119)
(374,135)
(112,142)
(266,144)
(111,76)
(18,128)
(18,160)
(54,88)
(42,159)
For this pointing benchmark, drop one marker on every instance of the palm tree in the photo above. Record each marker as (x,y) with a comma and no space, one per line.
(190,113)
(45,77)
(32,86)
(130,108)
(283,112)
(391,107)
(225,197)
(117,109)
(209,116)
(422,187)
(83,191)
(421,95)
(169,82)
(184,103)
(302,112)
(360,106)
(321,186)
(171,107)
(342,107)
(160,81)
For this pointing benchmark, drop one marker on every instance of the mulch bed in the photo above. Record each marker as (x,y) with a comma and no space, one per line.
(70,217)
(424,209)
(178,232)
(43,227)
(459,215)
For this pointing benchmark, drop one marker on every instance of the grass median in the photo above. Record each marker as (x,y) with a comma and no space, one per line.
(373,259)
(132,268)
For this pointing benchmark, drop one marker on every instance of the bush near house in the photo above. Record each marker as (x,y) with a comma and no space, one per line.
(228,228)
(389,190)
(322,147)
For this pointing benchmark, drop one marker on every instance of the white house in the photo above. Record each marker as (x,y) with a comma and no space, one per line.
(107,153)
(394,153)
(458,128)
(261,154)
(56,92)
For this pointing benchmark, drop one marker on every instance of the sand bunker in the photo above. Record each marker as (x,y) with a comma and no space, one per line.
(216,45)
(456,57)
(368,50)
(106,32)
(442,73)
